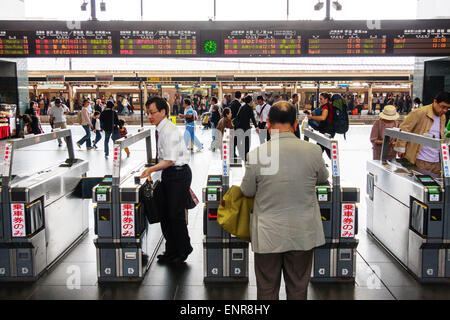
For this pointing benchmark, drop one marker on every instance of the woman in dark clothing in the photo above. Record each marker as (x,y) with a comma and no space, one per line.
(109,122)
(31,123)
(242,121)
(33,112)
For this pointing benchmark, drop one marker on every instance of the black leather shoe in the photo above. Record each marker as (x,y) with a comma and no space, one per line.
(165,257)
(181,258)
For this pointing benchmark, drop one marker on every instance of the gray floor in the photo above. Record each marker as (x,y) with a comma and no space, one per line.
(378,276)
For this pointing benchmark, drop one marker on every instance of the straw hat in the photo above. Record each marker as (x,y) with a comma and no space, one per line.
(389,113)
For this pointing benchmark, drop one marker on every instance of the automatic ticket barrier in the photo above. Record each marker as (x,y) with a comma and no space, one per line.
(42,216)
(225,256)
(335,261)
(126,244)
(408,209)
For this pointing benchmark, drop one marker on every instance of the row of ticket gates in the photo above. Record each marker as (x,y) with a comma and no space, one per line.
(45,214)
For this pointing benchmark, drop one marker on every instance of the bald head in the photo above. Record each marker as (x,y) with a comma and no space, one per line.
(282,112)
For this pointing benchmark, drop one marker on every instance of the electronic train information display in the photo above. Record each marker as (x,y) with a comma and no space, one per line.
(13,44)
(262,43)
(422,41)
(224,38)
(348,42)
(73,43)
(158,43)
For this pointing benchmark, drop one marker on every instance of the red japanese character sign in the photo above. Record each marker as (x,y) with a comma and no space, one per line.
(127,219)
(18,220)
(348,216)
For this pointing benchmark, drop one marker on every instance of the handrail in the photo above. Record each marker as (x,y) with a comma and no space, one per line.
(9,146)
(126,142)
(331,145)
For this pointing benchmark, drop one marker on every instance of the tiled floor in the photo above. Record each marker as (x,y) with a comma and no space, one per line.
(378,276)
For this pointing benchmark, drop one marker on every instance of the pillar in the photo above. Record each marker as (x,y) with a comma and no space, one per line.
(70,88)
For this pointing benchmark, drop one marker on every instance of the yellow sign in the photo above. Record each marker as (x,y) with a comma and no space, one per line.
(159,79)
(174,119)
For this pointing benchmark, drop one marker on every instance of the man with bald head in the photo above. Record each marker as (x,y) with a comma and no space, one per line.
(285,224)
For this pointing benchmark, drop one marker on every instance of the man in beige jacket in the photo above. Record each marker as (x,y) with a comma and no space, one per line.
(427,119)
(285,225)
(86,124)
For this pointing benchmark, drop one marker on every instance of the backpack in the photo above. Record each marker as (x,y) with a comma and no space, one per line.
(340,114)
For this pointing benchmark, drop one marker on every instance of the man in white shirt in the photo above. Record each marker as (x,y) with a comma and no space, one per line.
(262,112)
(58,116)
(176,180)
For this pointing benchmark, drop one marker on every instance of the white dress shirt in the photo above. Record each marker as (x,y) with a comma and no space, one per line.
(265,113)
(170,144)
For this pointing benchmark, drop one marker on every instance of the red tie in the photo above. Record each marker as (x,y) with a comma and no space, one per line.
(156,136)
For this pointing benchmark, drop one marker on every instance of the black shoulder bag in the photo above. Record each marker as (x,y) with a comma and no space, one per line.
(152,197)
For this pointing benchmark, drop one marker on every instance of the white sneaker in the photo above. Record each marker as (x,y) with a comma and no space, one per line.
(200,149)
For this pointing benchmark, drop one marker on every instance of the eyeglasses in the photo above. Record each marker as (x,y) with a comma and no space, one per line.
(152,112)
(445,106)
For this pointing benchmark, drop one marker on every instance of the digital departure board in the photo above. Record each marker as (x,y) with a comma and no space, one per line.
(262,43)
(73,43)
(224,38)
(13,44)
(422,41)
(159,43)
(348,42)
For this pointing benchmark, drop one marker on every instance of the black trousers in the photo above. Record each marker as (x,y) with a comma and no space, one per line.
(242,142)
(176,183)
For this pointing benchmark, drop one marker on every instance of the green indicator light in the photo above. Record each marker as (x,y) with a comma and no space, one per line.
(322,190)
(210,47)
(433,190)
(102,190)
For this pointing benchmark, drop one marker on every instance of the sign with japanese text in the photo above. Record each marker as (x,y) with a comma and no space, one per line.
(18,220)
(348,216)
(127,219)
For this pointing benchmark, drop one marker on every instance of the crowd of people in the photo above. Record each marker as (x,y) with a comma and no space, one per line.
(286,224)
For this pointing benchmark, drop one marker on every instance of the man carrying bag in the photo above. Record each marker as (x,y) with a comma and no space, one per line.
(176,179)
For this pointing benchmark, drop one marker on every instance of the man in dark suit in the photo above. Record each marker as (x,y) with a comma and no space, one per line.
(242,121)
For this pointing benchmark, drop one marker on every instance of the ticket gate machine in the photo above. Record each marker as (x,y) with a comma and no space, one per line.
(41,216)
(335,261)
(126,244)
(408,209)
(225,256)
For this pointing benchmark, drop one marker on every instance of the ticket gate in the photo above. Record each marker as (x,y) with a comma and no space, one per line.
(408,209)
(126,244)
(335,261)
(225,256)
(42,217)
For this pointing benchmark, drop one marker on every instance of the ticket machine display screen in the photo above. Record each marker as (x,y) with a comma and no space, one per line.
(426,180)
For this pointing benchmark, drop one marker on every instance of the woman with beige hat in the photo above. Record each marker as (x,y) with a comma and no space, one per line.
(387,120)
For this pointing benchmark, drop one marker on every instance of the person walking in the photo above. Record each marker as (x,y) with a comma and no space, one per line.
(214,120)
(58,114)
(242,121)
(109,122)
(285,225)
(176,177)
(87,126)
(189,117)
(96,128)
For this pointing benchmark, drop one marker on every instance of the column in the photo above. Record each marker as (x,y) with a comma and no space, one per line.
(70,88)
(369,100)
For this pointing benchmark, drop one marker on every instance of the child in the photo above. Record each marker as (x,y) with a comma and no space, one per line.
(96,125)
(123,133)
(387,120)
